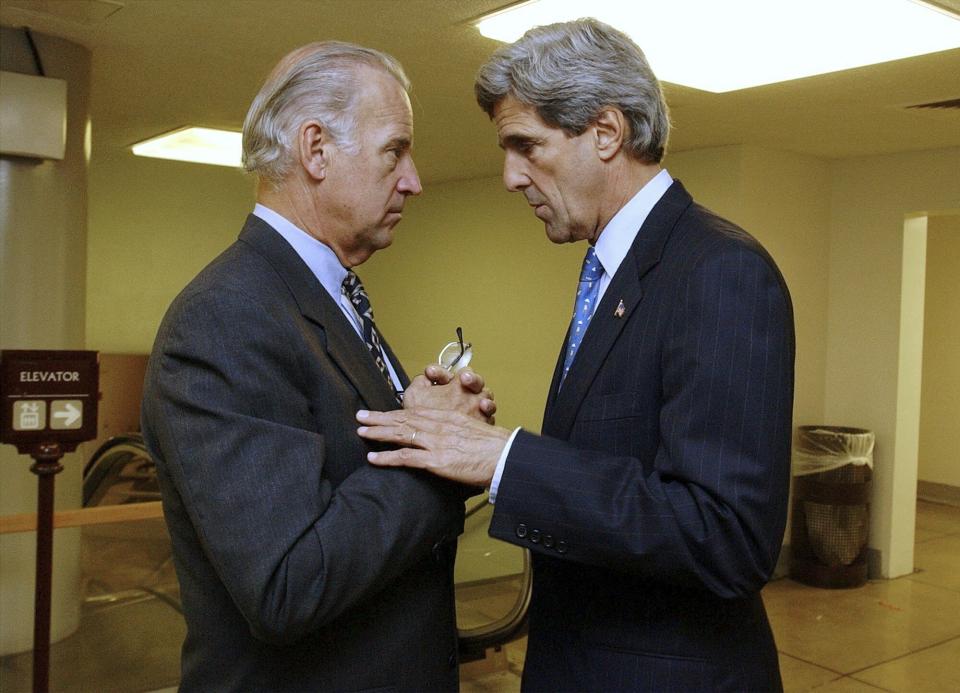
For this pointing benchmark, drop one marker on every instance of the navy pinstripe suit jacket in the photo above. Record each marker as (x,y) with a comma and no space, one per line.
(655,500)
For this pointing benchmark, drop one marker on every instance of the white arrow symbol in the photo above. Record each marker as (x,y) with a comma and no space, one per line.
(70,416)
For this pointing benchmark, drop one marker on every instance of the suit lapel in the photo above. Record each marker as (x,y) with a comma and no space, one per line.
(608,319)
(342,343)
(555,382)
(397,366)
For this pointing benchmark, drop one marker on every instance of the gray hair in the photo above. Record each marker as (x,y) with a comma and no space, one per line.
(570,71)
(317,81)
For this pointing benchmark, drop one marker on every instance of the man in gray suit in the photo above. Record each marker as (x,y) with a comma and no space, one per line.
(302,567)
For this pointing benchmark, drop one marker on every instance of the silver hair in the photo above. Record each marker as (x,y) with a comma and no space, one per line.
(570,71)
(317,81)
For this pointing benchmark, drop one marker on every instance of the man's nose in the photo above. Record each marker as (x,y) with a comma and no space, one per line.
(514,177)
(409,183)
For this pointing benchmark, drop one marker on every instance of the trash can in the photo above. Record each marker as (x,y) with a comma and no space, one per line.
(832,471)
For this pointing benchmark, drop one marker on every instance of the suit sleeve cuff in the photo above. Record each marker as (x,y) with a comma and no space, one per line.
(495,483)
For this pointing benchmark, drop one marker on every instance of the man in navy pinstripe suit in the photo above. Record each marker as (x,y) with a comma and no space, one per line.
(655,499)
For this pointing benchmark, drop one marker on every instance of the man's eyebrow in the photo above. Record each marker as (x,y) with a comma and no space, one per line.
(400,142)
(515,140)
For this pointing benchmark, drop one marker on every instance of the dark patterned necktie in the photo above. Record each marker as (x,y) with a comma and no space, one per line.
(357,295)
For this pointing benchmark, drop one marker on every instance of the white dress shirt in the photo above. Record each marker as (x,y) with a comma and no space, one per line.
(612,246)
(326,267)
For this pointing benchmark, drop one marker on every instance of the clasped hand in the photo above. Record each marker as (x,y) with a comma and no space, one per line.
(464,392)
(444,428)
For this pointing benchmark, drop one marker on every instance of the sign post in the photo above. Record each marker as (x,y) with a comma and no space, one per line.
(48,405)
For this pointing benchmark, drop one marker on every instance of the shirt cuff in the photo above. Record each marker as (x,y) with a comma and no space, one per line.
(495,482)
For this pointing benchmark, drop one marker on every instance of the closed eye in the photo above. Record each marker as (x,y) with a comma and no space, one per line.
(398,146)
(396,150)
(519,143)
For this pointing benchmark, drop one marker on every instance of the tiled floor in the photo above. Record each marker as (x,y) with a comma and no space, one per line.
(898,635)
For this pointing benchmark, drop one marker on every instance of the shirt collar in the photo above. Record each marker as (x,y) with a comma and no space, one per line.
(320,258)
(619,233)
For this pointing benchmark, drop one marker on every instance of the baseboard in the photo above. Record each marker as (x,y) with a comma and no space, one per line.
(938,493)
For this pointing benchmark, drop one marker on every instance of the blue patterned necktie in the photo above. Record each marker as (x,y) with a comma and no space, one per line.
(357,295)
(587,292)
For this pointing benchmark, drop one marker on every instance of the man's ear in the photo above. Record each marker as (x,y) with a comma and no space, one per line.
(314,146)
(610,130)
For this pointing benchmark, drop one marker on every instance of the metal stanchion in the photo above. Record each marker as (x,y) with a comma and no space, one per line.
(46,466)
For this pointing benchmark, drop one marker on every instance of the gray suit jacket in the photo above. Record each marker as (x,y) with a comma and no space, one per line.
(301,566)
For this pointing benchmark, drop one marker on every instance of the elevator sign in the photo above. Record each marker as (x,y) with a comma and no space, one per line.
(48,397)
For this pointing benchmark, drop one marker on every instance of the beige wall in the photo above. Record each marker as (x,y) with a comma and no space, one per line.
(468,253)
(153,225)
(870,198)
(782,198)
(939,452)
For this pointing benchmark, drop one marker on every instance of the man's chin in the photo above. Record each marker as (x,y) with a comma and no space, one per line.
(382,244)
(384,239)
(556,235)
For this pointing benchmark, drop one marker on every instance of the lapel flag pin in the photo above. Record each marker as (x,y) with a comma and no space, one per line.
(621,309)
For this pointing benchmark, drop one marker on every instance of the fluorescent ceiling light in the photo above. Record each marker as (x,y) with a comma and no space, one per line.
(723,46)
(197,145)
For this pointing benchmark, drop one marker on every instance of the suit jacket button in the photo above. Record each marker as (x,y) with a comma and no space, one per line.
(535,536)
(562,546)
(521,530)
(548,541)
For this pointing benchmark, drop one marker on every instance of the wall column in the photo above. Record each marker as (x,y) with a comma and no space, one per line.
(43,249)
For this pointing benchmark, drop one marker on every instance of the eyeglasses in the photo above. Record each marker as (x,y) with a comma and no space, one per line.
(456,355)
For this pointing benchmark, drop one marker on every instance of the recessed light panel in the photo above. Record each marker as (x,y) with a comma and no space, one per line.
(196,145)
(734,44)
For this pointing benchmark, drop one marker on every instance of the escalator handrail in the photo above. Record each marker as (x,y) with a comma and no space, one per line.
(108,461)
(132,439)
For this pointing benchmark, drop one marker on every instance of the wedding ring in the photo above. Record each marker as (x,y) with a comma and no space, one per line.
(413,437)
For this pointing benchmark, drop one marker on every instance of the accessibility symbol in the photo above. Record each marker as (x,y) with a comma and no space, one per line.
(66,414)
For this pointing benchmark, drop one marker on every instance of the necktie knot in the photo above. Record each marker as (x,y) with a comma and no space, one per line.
(351,283)
(591,270)
(353,289)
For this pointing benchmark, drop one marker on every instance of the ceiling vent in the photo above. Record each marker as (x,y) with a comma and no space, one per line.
(949,104)
(84,12)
